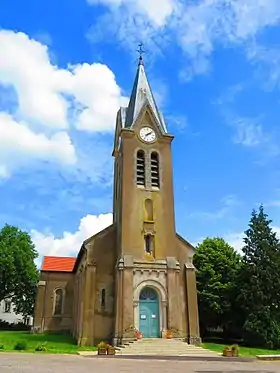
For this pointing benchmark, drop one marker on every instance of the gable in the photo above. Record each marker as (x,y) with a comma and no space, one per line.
(146,116)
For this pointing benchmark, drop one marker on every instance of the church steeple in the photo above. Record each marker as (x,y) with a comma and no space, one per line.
(141,95)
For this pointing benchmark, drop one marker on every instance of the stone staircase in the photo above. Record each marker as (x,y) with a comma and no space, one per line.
(163,347)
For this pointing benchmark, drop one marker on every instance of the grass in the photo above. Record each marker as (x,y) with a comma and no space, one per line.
(55,343)
(243,351)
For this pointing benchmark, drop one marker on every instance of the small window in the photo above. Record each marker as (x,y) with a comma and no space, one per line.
(7,306)
(154,170)
(58,301)
(140,168)
(149,243)
(103,297)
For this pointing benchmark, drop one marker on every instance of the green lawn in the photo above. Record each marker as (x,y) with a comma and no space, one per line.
(243,351)
(55,343)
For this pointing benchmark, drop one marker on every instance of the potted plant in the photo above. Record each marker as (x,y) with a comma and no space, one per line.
(111,350)
(169,334)
(227,351)
(235,350)
(102,348)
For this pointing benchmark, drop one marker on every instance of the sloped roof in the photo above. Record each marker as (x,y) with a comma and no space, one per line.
(141,94)
(58,264)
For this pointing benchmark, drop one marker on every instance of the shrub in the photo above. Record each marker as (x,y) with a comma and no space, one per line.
(1,347)
(41,347)
(20,346)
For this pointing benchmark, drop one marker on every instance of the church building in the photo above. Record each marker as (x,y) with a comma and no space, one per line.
(137,274)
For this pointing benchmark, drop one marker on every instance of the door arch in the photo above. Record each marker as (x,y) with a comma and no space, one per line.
(149,313)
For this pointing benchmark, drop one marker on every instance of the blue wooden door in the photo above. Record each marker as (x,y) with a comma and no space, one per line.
(149,313)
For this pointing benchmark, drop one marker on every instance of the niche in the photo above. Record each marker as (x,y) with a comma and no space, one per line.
(149,213)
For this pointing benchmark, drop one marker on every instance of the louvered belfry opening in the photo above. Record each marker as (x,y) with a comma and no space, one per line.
(155,170)
(140,168)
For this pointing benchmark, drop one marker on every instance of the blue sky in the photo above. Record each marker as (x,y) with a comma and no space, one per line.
(66,67)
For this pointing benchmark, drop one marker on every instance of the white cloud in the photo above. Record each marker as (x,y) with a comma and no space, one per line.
(41,86)
(95,87)
(228,204)
(249,132)
(157,11)
(18,139)
(50,100)
(25,65)
(70,243)
(275,203)
(197,26)
(235,240)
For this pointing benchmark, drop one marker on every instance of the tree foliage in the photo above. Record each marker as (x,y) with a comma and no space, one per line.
(18,272)
(217,265)
(243,295)
(259,282)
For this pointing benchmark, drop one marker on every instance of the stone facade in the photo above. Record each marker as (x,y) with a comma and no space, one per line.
(101,296)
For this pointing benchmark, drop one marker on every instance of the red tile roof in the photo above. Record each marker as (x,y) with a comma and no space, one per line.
(58,263)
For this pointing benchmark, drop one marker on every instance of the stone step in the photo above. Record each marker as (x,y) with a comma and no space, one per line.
(164,347)
(156,351)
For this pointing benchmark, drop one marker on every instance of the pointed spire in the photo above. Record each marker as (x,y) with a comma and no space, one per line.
(140,95)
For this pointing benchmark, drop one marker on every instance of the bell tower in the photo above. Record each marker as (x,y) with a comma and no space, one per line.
(143,184)
(154,277)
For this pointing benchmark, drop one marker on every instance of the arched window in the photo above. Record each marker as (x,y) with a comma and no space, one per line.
(155,170)
(148,294)
(140,168)
(103,297)
(58,302)
(149,210)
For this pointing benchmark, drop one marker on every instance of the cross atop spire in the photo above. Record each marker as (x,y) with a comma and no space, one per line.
(140,50)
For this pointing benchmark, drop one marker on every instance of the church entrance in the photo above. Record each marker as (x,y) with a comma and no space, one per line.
(149,313)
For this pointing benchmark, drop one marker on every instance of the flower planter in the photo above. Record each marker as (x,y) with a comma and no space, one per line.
(102,351)
(102,348)
(111,350)
(227,352)
(138,334)
(234,351)
(169,335)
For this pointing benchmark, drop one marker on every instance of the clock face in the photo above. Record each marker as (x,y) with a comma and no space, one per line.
(147,134)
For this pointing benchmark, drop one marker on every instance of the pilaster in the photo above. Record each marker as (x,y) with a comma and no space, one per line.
(128,319)
(173,287)
(192,309)
(87,338)
(124,326)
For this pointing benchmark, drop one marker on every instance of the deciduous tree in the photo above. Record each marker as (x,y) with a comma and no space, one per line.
(217,264)
(18,272)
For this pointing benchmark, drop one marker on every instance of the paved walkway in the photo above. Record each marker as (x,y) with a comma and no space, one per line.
(27,363)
